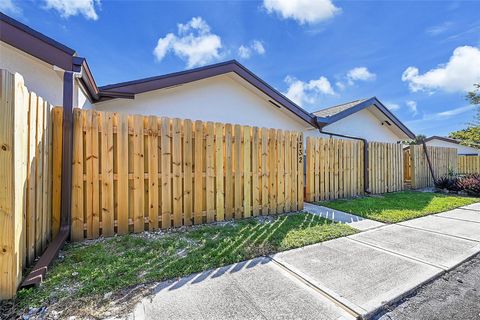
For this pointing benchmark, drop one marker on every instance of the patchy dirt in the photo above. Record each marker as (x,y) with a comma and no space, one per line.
(456,295)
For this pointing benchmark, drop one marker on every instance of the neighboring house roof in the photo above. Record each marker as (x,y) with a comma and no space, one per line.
(446,139)
(333,114)
(177,78)
(331,111)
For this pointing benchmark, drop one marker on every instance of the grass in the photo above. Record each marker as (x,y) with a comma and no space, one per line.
(400,206)
(92,269)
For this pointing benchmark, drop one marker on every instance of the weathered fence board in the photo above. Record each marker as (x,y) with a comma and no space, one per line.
(172,172)
(468,164)
(443,160)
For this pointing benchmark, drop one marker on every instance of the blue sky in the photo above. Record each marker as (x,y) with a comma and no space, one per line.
(419,58)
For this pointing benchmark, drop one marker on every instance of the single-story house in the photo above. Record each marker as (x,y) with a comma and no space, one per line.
(223,92)
(437,141)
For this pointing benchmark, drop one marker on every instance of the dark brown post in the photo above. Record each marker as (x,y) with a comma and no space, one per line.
(67,130)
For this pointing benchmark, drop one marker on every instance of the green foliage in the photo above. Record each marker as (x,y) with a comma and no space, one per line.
(400,206)
(90,270)
(470,136)
(418,139)
(474,96)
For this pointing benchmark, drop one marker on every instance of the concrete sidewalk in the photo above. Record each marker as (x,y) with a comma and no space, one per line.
(354,221)
(343,278)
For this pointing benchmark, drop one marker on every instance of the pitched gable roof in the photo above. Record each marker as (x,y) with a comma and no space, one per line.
(333,114)
(183,77)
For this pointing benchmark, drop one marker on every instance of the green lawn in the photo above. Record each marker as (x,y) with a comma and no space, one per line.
(399,206)
(92,269)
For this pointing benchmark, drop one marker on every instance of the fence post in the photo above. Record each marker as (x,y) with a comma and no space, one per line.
(13,159)
(67,133)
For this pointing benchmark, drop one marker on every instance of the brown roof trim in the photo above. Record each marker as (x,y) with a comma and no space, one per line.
(35,43)
(48,50)
(80,65)
(324,121)
(177,78)
(442,139)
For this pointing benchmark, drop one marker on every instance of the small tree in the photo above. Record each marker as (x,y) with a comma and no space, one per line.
(418,139)
(471,135)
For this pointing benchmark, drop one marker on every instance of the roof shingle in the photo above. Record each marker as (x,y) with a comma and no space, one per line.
(331,111)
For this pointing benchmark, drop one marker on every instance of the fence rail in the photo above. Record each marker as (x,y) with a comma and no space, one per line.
(133,173)
(30,177)
(468,164)
(443,160)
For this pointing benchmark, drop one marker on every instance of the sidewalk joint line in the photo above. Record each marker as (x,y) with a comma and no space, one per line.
(474,210)
(453,218)
(316,288)
(441,267)
(437,232)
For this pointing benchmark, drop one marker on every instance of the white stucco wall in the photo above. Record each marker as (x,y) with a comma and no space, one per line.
(363,124)
(220,99)
(80,99)
(460,149)
(39,76)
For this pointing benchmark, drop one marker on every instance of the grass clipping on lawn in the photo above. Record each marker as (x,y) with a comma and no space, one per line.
(400,206)
(93,268)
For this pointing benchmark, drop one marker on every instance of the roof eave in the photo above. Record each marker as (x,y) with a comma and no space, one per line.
(35,43)
(178,78)
(362,105)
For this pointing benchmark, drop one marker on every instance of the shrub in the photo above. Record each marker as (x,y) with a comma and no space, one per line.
(448,182)
(470,184)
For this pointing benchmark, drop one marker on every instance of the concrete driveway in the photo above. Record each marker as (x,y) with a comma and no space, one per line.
(343,278)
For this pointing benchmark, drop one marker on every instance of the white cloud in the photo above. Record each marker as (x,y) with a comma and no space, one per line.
(256,46)
(456,111)
(458,74)
(340,85)
(194,43)
(412,106)
(432,118)
(244,52)
(439,29)
(69,8)
(303,11)
(392,106)
(302,92)
(360,74)
(10,7)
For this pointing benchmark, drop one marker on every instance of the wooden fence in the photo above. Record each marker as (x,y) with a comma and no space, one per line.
(385,167)
(133,173)
(334,169)
(443,160)
(30,178)
(468,164)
